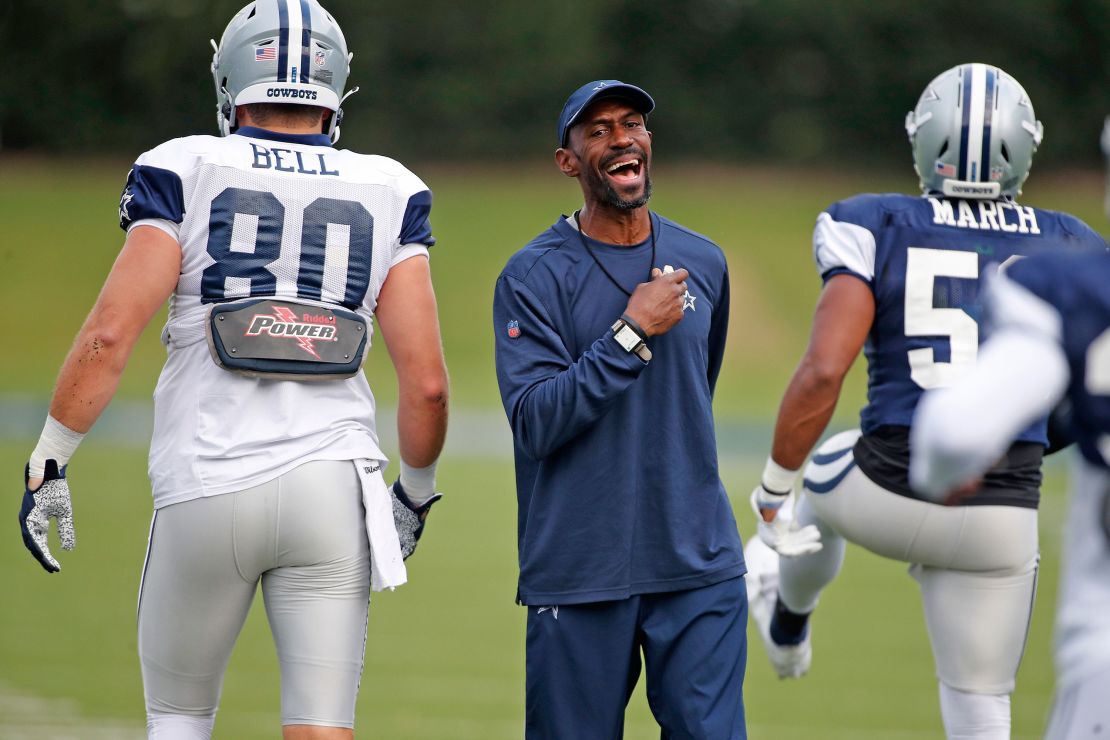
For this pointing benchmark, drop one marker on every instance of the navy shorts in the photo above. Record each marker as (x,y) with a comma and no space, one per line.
(583,661)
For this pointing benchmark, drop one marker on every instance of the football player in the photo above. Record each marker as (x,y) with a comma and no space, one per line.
(900,279)
(1050,340)
(275,250)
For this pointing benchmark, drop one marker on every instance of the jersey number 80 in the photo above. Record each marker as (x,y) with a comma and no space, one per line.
(245,270)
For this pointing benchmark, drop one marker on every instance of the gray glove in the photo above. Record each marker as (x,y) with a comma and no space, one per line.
(409,518)
(48,501)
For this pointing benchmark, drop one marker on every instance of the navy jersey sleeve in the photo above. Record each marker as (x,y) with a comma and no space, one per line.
(1039,276)
(550,396)
(415,226)
(718,332)
(151,193)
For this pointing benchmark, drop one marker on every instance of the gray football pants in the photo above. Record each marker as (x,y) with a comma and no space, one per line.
(976,565)
(303,536)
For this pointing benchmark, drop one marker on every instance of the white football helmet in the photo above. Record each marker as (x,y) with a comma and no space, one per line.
(973,133)
(281,51)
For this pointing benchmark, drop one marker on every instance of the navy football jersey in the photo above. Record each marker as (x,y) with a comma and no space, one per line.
(1078,288)
(923,257)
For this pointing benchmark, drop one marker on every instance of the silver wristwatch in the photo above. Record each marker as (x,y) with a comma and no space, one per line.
(630,340)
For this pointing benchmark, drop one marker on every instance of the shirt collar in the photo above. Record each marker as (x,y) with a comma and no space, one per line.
(254,132)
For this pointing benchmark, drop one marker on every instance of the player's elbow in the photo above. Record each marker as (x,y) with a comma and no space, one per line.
(435,394)
(431,390)
(105,342)
(821,375)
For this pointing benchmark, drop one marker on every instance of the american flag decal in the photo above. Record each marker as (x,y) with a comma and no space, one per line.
(265,53)
(946,170)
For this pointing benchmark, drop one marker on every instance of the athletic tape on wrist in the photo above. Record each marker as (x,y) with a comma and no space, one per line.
(419,483)
(777,479)
(57,442)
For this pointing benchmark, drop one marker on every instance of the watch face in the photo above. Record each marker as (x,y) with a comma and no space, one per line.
(627,338)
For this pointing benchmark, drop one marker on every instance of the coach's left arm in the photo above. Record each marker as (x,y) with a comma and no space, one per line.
(718,333)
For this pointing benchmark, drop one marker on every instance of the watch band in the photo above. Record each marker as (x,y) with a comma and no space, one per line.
(630,340)
(634,326)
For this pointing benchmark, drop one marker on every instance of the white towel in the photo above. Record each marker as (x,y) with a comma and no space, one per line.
(387,569)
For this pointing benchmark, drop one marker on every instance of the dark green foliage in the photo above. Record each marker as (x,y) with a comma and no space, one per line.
(795,80)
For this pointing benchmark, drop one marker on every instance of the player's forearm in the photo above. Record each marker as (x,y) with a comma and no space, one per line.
(89,376)
(804,414)
(422,420)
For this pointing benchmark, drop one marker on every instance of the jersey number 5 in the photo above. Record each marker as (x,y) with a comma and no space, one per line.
(246,240)
(923,319)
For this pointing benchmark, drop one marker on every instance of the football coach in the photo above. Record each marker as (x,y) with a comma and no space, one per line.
(610,330)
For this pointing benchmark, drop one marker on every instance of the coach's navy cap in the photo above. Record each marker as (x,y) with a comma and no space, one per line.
(581,98)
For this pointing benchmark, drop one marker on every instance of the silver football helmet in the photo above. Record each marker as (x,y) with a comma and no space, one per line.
(973,133)
(281,51)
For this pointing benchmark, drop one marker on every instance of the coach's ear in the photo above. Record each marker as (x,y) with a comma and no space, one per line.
(567,161)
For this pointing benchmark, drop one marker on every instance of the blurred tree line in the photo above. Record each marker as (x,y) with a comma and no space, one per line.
(801,81)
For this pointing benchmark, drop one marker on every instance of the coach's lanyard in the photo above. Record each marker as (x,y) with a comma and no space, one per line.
(613,280)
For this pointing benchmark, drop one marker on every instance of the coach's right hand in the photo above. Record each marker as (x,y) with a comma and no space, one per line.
(41,503)
(657,305)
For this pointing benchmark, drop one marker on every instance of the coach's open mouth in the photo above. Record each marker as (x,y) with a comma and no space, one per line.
(625,170)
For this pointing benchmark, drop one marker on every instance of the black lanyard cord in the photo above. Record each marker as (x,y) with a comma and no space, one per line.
(613,280)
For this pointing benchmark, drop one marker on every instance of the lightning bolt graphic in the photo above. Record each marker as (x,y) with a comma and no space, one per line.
(306,343)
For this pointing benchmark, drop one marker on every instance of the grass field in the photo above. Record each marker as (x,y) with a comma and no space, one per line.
(445,653)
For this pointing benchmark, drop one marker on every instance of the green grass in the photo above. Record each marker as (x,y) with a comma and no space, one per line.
(445,653)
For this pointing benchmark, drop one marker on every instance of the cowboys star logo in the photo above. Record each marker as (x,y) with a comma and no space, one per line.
(124,202)
(688,301)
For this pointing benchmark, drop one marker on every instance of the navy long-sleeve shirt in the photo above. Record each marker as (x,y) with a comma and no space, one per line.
(618,490)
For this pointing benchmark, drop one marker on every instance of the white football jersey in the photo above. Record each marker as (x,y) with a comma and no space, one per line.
(262,214)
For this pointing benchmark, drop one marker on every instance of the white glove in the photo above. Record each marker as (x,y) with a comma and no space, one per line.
(782,533)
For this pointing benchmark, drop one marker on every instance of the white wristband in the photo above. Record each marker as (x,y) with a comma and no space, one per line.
(777,479)
(57,442)
(419,483)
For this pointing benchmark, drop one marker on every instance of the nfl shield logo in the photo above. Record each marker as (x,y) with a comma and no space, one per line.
(513,329)
(318,58)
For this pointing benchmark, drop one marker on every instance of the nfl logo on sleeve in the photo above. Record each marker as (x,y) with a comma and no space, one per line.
(513,329)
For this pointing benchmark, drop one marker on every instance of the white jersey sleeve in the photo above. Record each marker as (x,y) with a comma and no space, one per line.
(1021,373)
(842,246)
(266,215)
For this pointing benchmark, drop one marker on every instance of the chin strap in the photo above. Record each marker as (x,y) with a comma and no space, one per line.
(337,118)
(225,111)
